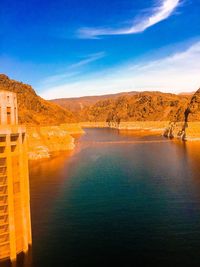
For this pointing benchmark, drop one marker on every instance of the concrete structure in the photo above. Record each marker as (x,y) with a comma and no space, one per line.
(15,225)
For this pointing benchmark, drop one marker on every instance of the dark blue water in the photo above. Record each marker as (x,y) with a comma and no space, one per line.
(118,199)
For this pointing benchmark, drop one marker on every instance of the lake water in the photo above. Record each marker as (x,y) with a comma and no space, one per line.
(117,199)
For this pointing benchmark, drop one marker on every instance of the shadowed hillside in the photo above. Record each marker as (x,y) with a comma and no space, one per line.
(189,126)
(194,107)
(33,109)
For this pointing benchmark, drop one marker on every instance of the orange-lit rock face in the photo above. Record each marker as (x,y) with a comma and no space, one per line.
(189,129)
(194,107)
(15,226)
(42,141)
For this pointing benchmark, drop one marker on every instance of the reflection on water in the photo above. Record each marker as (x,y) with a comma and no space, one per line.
(23,260)
(192,150)
(117,199)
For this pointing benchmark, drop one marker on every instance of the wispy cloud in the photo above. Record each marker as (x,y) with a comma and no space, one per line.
(89,59)
(72,70)
(162,10)
(175,73)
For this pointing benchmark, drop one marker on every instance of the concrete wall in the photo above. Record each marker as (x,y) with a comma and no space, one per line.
(8,108)
(15,224)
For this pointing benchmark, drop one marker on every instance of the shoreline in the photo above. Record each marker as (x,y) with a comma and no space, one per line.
(151,127)
(43,141)
(142,127)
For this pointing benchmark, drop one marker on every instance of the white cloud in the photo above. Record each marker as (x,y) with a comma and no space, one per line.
(178,72)
(159,13)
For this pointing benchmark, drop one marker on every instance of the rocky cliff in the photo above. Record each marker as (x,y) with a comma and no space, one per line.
(33,110)
(189,127)
(194,107)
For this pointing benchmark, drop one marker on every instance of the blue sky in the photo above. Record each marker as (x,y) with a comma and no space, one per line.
(68,48)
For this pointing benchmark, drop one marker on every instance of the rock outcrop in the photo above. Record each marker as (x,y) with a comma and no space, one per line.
(73,129)
(189,128)
(194,107)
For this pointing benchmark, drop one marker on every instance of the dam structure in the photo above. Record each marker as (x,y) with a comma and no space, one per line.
(15,223)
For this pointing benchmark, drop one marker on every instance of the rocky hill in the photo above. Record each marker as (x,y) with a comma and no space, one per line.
(144,106)
(194,107)
(34,110)
(77,104)
(189,127)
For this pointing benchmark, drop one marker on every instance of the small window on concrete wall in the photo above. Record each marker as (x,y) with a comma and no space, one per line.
(14,137)
(2,138)
(2,162)
(8,115)
(2,149)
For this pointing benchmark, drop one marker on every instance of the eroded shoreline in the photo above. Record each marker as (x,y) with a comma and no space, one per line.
(45,140)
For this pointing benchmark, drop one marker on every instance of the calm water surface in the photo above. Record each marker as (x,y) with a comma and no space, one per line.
(117,199)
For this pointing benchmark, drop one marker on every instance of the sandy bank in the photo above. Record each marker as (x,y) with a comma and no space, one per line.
(43,141)
(193,131)
(136,126)
(153,127)
(93,124)
(72,128)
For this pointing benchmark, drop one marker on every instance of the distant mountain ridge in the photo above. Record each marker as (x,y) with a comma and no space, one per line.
(129,106)
(142,106)
(79,103)
(33,109)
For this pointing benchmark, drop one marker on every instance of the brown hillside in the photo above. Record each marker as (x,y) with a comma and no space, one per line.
(145,106)
(33,109)
(77,104)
